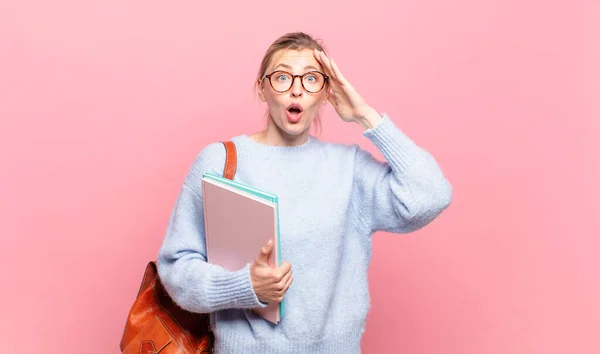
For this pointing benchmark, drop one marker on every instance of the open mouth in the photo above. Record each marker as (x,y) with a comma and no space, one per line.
(294,113)
(295,108)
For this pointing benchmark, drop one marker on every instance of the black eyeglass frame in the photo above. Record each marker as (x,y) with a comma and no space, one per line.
(325,77)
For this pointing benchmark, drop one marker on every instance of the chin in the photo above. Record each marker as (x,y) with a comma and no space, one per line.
(294,130)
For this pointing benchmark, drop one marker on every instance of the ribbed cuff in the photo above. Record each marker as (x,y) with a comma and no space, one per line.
(231,290)
(398,149)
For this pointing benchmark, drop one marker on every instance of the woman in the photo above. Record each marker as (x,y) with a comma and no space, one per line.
(332,197)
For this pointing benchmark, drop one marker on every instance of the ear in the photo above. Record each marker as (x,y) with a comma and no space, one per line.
(261,91)
(325,95)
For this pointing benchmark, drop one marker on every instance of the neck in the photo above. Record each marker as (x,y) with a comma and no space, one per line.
(272,135)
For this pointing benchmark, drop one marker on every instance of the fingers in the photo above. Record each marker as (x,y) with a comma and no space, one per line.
(331,98)
(337,72)
(284,268)
(322,58)
(331,69)
(272,284)
(281,276)
(288,284)
(265,252)
(281,284)
(284,288)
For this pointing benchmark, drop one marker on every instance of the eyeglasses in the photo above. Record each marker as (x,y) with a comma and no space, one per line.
(312,81)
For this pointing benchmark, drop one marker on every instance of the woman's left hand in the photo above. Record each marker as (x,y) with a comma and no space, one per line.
(349,105)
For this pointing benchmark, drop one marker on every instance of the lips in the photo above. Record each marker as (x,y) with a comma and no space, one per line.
(294,112)
(295,108)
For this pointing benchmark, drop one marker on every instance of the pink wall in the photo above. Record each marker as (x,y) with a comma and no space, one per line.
(104,105)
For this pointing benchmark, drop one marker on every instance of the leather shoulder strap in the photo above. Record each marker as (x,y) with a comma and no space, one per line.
(150,274)
(230,160)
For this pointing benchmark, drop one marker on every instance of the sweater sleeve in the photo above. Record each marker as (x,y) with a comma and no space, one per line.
(403,194)
(192,283)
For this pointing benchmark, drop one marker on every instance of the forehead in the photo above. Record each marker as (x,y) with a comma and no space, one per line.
(298,60)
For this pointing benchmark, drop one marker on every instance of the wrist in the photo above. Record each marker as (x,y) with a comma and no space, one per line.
(369,120)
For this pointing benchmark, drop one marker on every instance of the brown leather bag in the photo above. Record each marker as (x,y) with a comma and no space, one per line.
(155,323)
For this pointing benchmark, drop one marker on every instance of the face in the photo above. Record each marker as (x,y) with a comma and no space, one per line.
(294,110)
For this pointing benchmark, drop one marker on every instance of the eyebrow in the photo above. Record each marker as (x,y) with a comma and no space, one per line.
(289,67)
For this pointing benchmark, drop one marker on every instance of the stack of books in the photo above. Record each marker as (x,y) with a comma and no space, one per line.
(239,220)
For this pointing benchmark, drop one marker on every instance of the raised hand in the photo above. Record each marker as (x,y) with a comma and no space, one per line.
(270,284)
(349,105)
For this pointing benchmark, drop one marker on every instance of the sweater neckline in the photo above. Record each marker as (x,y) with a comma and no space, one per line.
(306,146)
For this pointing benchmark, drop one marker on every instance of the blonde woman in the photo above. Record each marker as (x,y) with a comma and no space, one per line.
(332,198)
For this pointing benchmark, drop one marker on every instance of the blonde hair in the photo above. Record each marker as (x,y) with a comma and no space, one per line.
(293,41)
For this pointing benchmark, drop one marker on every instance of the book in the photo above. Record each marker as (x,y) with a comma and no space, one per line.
(239,220)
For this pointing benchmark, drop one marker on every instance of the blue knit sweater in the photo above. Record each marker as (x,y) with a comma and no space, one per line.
(332,197)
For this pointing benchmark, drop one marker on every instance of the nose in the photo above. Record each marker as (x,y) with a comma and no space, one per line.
(297,89)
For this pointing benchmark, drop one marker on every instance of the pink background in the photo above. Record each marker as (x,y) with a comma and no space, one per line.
(104,105)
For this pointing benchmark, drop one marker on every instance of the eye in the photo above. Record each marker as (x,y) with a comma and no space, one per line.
(310,78)
(281,76)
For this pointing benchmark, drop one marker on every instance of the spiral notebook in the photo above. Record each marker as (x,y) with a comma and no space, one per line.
(239,220)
